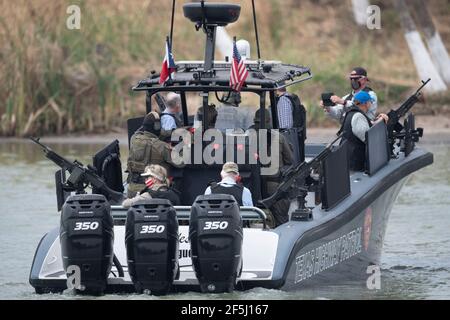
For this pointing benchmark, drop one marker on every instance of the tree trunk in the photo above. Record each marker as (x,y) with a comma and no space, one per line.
(422,60)
(360,11)
(439,53)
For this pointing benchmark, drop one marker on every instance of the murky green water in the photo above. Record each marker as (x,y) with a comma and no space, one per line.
(415,262)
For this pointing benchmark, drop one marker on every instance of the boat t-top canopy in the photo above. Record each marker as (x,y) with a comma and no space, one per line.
(263,76)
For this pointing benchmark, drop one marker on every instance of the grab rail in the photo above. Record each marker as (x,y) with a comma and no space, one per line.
(184,213)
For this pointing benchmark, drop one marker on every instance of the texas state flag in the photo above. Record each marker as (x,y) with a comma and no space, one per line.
(168,66)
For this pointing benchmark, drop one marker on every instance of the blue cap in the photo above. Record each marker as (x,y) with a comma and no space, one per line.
(363,97)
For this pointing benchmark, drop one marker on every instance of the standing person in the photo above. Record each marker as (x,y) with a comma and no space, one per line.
(355,125)
(170,118)
(230,185)
(157,186)
(359,82)
(291,113)
(146,149)
(280,209)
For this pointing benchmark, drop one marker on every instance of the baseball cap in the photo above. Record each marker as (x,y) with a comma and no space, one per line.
(155,171)
(358,72)
(363,97)
(230,167)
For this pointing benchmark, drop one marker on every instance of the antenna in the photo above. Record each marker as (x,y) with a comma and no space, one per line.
(256,32)
(172,22)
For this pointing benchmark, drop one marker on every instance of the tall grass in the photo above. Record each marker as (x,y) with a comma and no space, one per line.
(54,80)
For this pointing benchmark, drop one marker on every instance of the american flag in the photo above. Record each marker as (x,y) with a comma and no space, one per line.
(168,66)
(239,72)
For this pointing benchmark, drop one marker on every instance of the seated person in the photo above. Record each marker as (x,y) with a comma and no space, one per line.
(354,127)
(230,185)
(157,187)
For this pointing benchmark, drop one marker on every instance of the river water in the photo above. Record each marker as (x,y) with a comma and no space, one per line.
(415,261)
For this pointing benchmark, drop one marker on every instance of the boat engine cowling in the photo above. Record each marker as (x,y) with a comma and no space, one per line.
(216,236)
(151,238)
(87,241)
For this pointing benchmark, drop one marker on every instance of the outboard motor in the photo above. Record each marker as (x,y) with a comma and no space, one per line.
(151,238)
(87,241)
(215,233)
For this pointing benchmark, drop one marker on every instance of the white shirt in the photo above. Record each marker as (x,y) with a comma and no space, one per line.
(228,182)
(337,112)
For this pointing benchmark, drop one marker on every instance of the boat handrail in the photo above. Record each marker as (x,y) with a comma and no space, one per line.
(184,213)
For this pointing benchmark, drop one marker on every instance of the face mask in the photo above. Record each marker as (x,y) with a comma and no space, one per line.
(150,183)
(355,84)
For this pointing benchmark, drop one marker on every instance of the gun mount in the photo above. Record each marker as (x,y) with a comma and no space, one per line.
(80,178)
(395,129)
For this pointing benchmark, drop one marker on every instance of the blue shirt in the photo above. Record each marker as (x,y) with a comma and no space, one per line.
(228,182)
(168,122)
(284,110)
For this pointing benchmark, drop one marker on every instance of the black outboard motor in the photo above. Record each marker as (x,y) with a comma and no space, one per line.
(151,238)
(87,241)
(215,233)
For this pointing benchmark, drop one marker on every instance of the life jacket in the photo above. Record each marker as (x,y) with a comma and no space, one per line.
(178,121)
(164,193)
(235,190)
(349,98)
(298,111)
(356,148)
(145,149)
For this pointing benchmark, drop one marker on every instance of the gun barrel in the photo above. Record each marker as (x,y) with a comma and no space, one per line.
(424,84)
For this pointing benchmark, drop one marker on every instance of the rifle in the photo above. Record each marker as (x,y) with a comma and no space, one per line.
(161,102)
(297,175)
(393,126)
(80,177)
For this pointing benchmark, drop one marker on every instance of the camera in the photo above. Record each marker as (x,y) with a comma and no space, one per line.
(326,98)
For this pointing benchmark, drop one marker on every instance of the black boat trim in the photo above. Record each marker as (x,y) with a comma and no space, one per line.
(357,207)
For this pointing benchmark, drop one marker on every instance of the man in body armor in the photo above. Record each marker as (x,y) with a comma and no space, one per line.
(286,159)
(359,83)
(355,125)
(170,119)
(290,111)
(146,148)
(230,185)
(157,186)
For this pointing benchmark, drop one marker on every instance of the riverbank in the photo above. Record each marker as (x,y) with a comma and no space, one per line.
(437,130)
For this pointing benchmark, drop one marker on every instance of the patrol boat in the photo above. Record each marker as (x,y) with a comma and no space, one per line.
(337,218)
